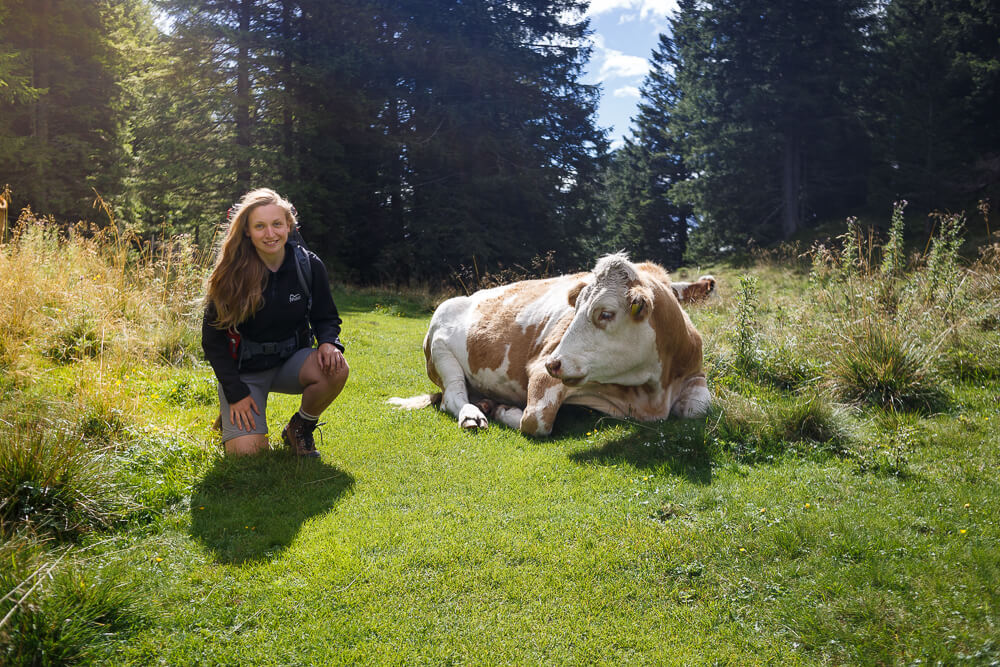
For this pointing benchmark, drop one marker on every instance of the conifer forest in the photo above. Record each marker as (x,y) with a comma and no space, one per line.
(419,136)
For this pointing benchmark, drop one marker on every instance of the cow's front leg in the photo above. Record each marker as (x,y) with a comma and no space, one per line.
(454,391)
(545,395)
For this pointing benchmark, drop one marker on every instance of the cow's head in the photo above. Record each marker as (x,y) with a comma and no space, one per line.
(610,339)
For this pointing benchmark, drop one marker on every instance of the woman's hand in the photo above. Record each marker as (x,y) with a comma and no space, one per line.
(331,360)
(241,413)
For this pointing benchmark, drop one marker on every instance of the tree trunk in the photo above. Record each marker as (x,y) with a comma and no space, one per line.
(791,184)
(42,80)
(243,98)
(286,67)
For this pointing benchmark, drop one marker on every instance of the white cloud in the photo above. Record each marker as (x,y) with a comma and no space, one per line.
(615,64)
(627,91)
(647,9)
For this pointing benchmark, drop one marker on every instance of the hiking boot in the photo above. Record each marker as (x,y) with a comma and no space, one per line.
(298,436)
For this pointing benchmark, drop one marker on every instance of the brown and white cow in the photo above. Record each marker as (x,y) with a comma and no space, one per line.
(614,340)
(700,290)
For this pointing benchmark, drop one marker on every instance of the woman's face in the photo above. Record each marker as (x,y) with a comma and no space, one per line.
(268,230)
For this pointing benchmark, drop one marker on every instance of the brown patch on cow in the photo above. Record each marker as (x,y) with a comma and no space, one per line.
(654,272)
(529,424)
(539,416)
(677,342)
(643,402)
(496,336)
(486,406)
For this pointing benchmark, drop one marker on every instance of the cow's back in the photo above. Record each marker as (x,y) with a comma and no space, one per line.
(498,333)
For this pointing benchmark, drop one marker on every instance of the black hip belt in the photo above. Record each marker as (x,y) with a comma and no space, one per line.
(282,348)
(242,348)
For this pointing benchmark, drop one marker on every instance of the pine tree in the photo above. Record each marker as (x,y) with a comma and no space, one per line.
(651,225)
(939,92)
(62,115)
(454,132)
(764,99)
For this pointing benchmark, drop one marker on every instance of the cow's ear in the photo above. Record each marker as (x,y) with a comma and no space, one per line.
(574,293)
(640,302)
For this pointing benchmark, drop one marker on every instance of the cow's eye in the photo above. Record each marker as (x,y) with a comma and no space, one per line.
(605,316)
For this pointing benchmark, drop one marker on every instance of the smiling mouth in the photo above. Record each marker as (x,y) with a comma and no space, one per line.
(574,382)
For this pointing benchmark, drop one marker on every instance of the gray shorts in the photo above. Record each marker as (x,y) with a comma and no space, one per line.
(283,379)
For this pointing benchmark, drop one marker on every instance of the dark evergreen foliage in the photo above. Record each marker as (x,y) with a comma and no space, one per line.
(61,104)
(419,136)
(767,111)
(937,129)
(646,219)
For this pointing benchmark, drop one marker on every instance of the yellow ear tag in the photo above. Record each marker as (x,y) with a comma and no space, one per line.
(636,308)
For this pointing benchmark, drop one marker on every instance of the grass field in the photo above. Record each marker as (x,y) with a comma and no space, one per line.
(804,522)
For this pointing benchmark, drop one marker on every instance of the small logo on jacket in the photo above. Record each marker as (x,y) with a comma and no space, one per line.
(292,298)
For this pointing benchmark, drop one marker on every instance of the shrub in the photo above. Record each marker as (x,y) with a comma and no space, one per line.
(785,367)
(60,615)
(66,293)
(745,342)
(761,431)
(881,366)
(52,482)
(892,252)
(75,341)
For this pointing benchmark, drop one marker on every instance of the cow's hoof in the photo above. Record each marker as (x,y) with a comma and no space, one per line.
(486,406)
(471,417)
(474,423)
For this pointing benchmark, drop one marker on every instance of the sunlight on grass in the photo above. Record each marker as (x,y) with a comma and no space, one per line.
(837,506)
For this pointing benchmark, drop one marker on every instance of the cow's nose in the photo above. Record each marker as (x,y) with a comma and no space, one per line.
(554,367)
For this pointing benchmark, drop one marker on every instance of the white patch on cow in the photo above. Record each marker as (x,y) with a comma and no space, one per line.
(497,382)
(508,415)
(411,403)
(549,308)
(616,268)
(622,352)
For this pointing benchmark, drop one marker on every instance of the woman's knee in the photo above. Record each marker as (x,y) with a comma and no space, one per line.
(336,379)
(246,445)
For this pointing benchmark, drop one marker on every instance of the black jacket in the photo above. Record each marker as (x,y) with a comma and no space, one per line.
(281,316)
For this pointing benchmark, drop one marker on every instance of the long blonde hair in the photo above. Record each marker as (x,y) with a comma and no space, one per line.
(236,285)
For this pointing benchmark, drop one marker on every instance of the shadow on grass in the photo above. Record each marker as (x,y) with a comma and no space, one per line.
(250,509)
(675,447)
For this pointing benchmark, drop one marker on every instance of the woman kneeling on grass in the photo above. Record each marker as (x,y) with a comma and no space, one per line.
(267,299)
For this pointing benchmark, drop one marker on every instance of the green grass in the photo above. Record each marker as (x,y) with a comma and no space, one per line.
(787,528)
(412,541)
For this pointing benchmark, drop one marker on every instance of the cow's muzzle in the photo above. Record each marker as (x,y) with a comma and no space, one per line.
(555,369)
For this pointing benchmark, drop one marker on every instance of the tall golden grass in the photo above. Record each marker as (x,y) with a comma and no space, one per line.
(90,291)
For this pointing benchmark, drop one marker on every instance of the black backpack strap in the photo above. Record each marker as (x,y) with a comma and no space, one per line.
(303,267)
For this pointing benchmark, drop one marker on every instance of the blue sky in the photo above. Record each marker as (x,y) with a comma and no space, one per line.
(625,34)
